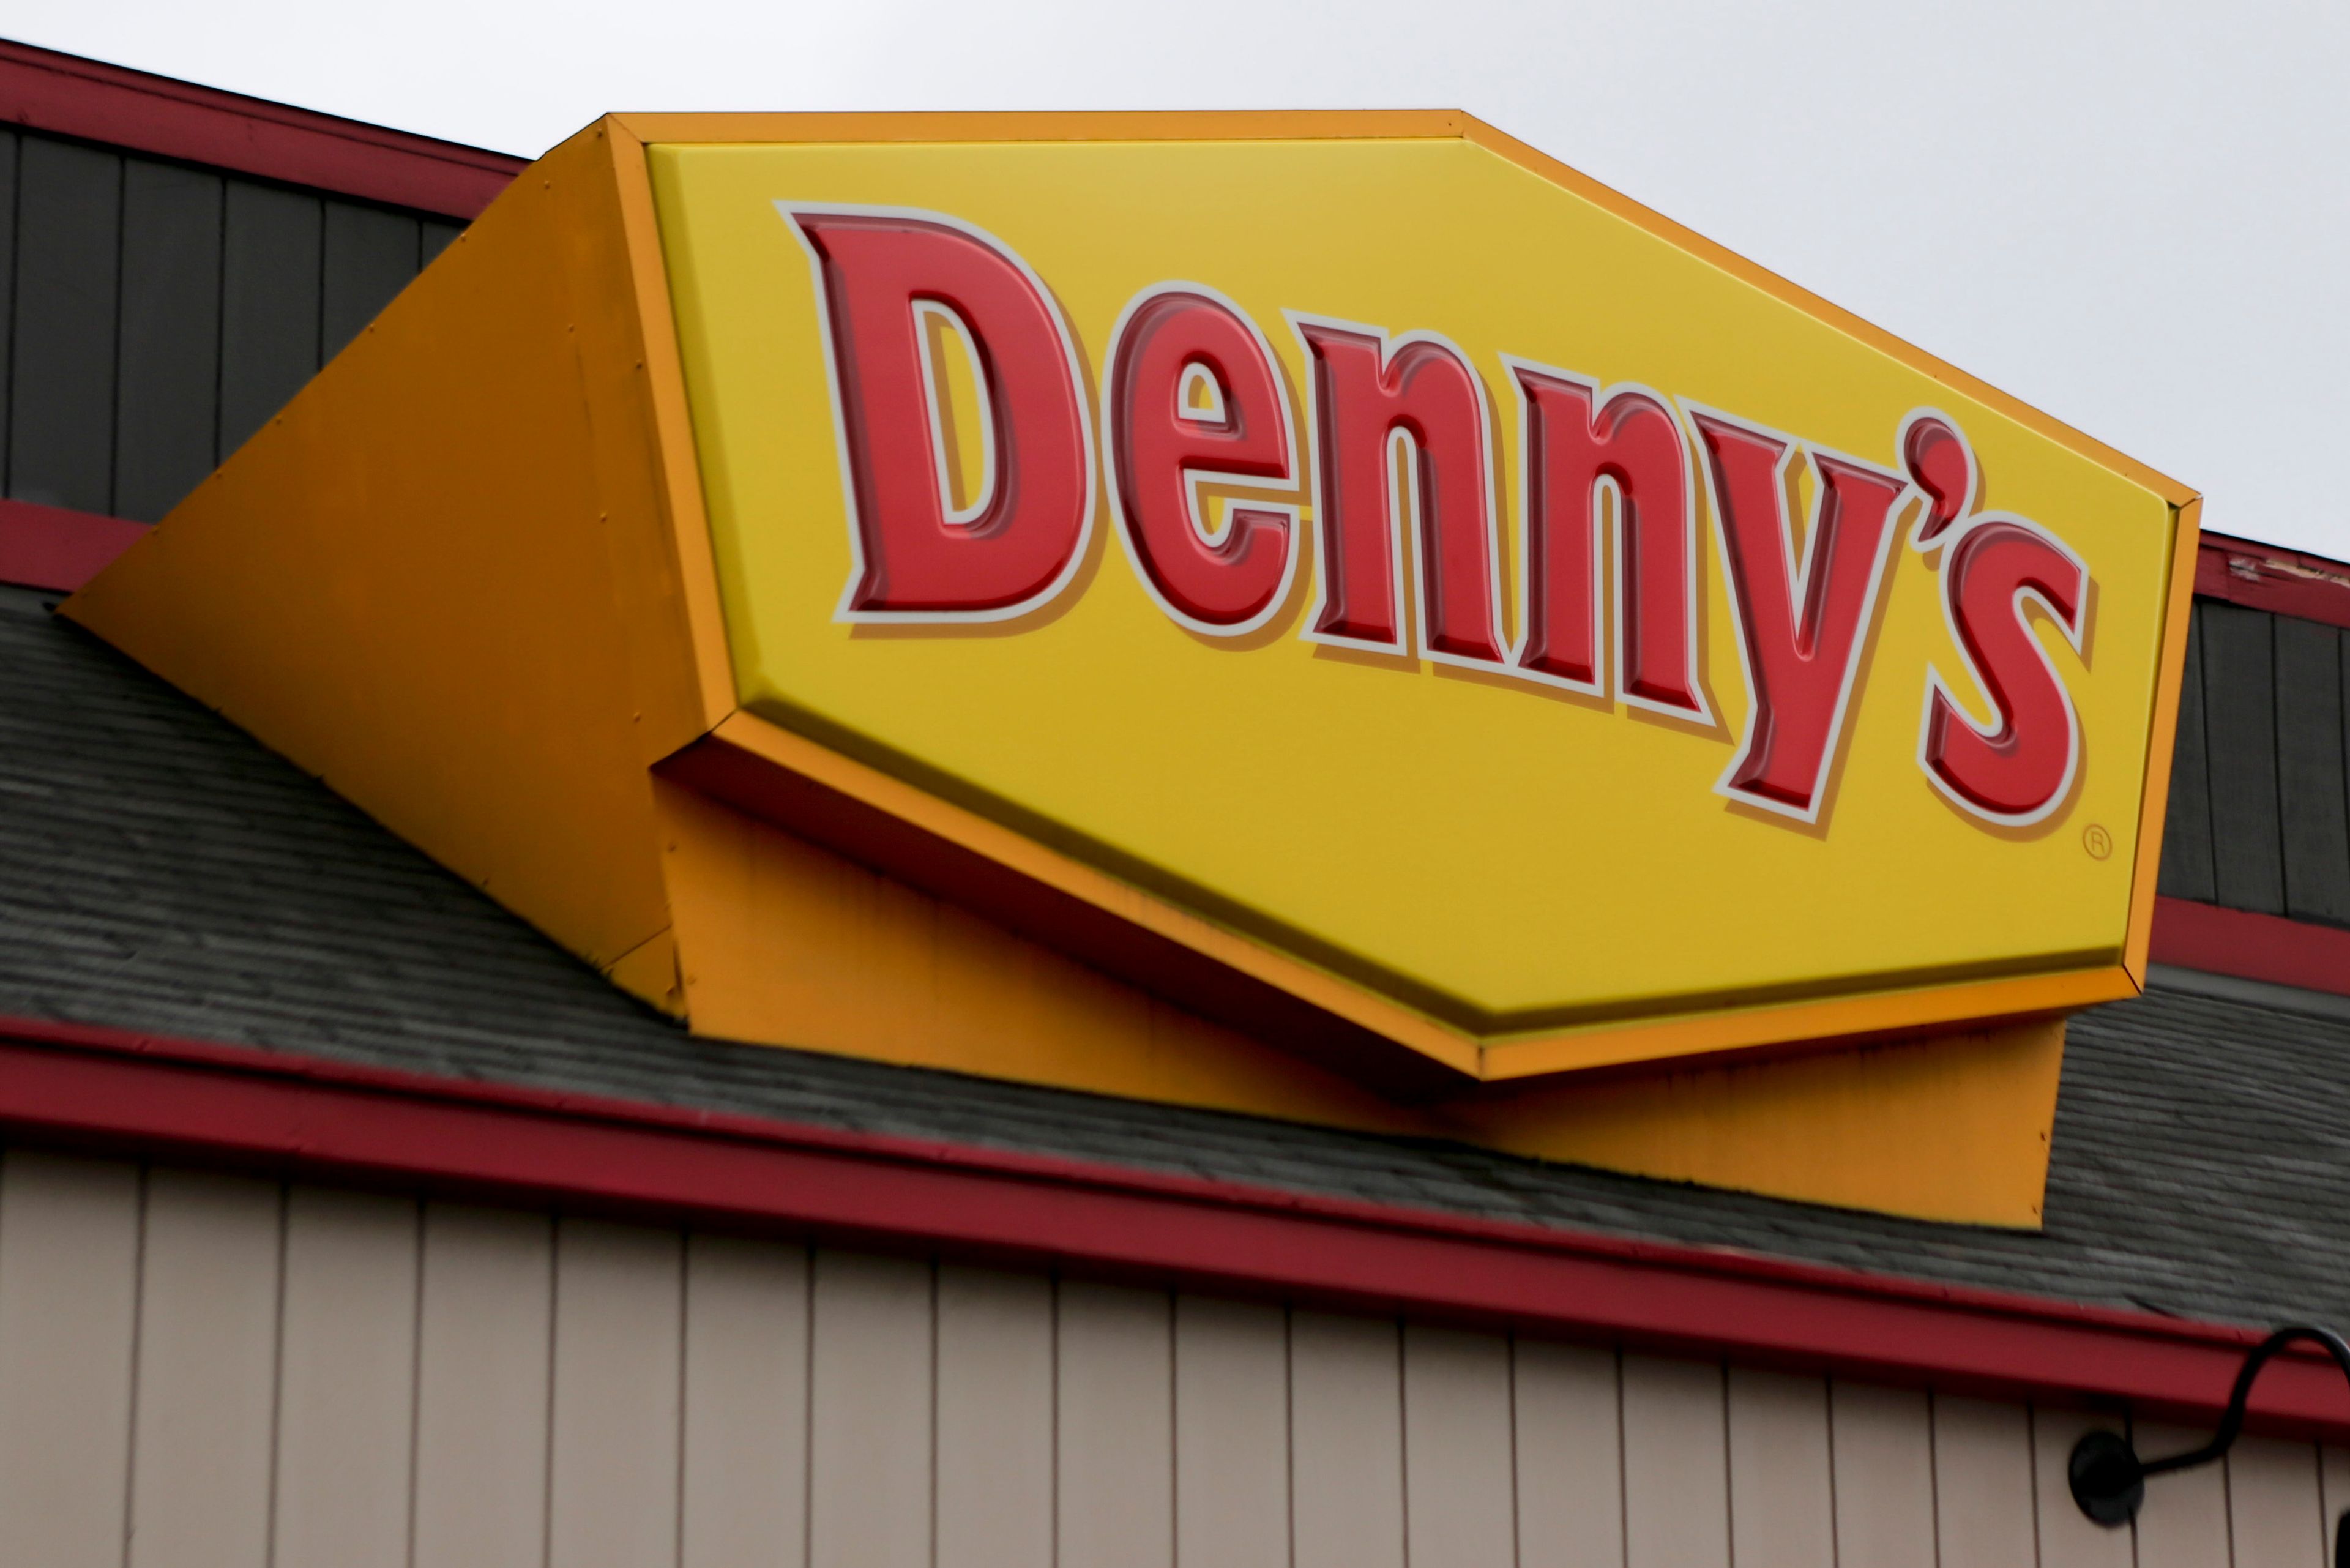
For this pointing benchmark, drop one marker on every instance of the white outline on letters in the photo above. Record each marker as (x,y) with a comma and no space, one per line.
(844,611)
(1403,520)
(1194,478)
(1799,582)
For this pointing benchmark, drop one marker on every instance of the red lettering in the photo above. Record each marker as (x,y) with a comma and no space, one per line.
(2018,767)
(1161,446)
(917,557)
(1578,444)
(1799,630)
(1365,390)
(1942,465)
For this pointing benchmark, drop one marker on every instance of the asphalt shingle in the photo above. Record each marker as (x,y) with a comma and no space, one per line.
(160,871)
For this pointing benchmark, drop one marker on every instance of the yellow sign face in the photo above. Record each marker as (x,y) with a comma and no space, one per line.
(1431,573)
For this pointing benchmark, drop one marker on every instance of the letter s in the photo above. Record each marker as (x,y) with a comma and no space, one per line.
(2018,768)
(876,269)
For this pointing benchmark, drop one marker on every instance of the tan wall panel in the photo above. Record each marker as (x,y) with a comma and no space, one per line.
(1232,1434)
(1883,1477)
(1676,1477)
(1460,1507)
(485,1311)
(743,1477)
(2068,1539)
(68,1270)
(1345,1403)
(347,1391)
(612,1463)
(207,1366)
(2333,1490)
(994,1418)
(1782,1496)
(814,1395)
(870,1421)
(2274,1512)
(1982,1483)
(2184,1524)
(1570,1460)
(1116,1428)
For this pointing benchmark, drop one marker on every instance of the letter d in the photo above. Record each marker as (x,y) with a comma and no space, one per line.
(916,560)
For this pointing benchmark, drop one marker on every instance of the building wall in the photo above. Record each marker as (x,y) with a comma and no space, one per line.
(223,1370)
(2259,790)
(156,313)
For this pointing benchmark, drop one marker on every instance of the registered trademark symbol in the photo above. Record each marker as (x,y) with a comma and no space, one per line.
(2096,841)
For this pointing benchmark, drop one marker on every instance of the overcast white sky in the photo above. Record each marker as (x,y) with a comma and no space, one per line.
(2132,215)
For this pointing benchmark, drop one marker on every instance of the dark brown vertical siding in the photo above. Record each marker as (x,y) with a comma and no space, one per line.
(167,410)
(269,304)
(2313,806)
(157,314)
(371,254)
(2260,784)
(2239,729)
(436,236)
(68,248)
(2186,827)
(9,156)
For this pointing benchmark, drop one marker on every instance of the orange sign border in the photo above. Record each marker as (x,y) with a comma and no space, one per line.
(930,822)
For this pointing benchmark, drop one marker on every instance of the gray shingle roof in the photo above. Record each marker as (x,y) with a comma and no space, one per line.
(159,870)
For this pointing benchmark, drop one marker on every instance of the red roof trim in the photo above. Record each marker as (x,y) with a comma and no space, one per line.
(2270,577)
(73,97)
(119,1091)
(2254,947)
(52,548)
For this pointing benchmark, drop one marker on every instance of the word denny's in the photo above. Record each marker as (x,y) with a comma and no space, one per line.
(1403,493)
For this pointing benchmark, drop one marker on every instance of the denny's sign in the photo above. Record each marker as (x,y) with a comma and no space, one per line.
(1327,615)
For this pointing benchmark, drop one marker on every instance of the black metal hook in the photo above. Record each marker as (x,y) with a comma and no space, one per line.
(2108,1479)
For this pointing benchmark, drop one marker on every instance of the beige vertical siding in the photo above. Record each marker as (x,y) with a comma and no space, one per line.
(1345,1447)
(69,1244)
(1116,1428)
(1676,1464)
(347,1383)
(1883,1477)
(2273,1512)
(485,1338)
(2185,1521)
(614,1430)
(1570,1455)
(1231,1435)
(1982,1484)
(1459,1483)
(994,1419)
(870,1403)
(1781,1491)
(742,1481)
(207,1363)
(199,1369)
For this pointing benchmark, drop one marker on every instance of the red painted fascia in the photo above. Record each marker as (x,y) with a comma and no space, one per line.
(120,1092)
(52,548)
(2255,946)
(2270,577)
(70,95)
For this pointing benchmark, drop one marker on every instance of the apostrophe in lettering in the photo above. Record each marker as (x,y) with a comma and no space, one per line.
(881,275)
(1939,463)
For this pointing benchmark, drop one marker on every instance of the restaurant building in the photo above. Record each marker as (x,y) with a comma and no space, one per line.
(1118,841)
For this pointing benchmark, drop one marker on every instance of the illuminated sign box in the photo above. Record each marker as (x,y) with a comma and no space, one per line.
(1347,575)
